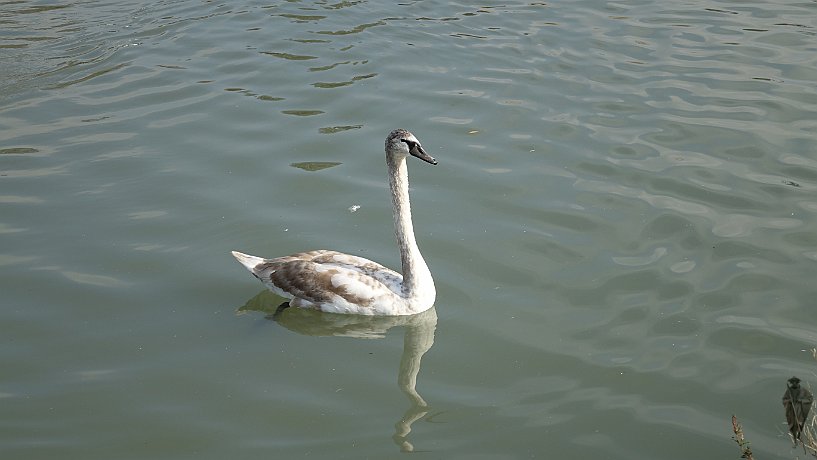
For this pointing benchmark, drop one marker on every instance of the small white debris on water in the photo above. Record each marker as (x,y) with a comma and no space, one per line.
(354,207)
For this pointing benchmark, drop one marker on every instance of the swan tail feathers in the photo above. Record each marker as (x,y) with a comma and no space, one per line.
(248,261)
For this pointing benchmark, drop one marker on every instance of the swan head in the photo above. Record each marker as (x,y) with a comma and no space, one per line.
(402,143)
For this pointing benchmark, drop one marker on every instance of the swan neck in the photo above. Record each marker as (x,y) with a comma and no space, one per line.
(415,270)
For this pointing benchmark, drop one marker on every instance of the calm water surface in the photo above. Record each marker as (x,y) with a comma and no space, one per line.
(622,227)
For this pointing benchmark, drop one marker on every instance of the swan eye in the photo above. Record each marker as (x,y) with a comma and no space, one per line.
(409,143)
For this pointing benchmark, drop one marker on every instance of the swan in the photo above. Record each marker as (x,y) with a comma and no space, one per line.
(335,282)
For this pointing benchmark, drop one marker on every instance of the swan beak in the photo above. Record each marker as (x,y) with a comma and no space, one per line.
(417,151)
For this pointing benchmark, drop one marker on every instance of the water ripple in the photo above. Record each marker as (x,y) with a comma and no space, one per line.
(624,205)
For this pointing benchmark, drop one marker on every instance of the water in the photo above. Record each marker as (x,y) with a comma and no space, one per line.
(621,227)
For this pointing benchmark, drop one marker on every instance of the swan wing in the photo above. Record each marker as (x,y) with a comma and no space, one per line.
(362,265)
(319,279)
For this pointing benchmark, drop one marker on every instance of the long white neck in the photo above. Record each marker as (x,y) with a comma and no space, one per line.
(417,281)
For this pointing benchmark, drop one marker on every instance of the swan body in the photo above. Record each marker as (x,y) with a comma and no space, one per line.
(341,283)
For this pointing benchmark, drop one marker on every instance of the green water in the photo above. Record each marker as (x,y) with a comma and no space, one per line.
(622,227)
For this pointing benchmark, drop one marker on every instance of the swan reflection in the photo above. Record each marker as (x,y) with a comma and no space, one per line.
(417,340)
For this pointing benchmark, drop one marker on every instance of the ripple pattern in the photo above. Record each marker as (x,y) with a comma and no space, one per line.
(622,224)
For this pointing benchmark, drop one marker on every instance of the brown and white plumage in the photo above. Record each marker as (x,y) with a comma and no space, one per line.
(341,283)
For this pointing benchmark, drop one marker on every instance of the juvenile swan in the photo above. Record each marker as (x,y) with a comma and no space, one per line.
(341,283)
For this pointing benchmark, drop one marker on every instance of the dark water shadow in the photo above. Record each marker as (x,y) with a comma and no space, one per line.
(417,340)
